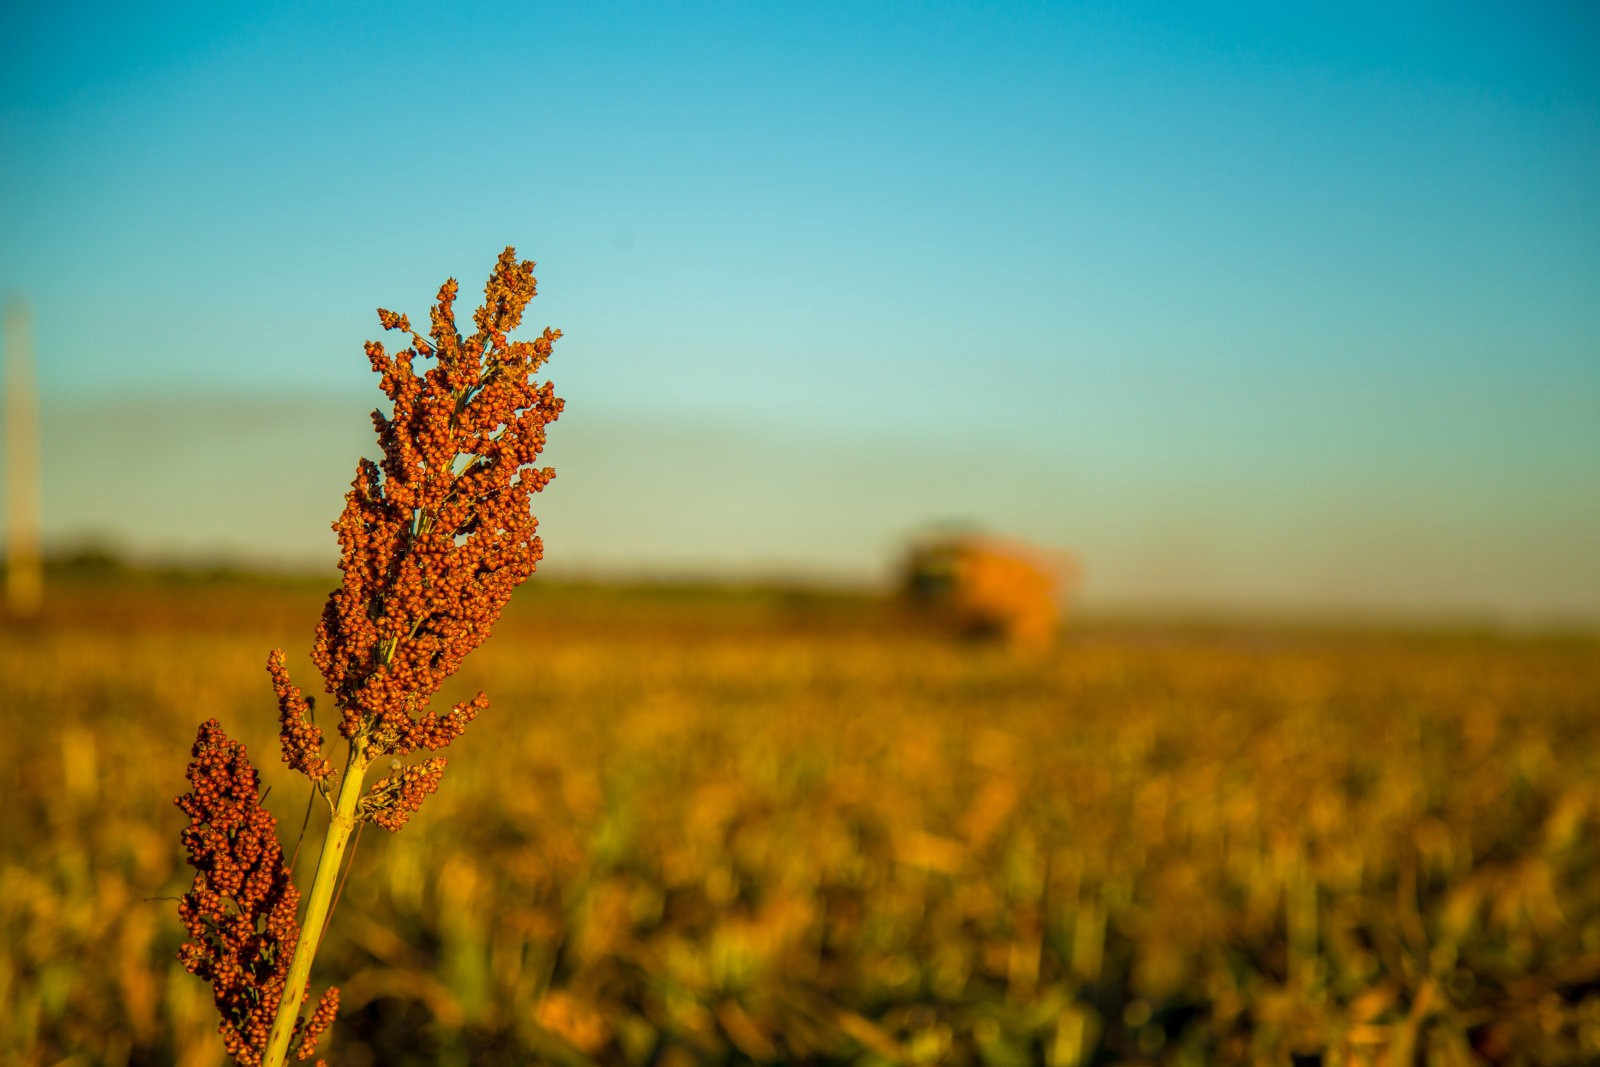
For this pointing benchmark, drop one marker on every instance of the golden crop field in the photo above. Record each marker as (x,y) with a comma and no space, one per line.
(723,827)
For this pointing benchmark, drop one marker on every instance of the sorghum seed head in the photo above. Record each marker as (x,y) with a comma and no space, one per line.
(240,911)
(435,536)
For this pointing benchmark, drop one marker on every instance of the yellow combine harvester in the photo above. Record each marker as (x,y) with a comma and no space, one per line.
(984,586)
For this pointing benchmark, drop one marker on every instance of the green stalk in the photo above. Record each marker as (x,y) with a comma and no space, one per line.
(318,900)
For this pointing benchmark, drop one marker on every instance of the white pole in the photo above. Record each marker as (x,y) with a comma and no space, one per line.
(24,576)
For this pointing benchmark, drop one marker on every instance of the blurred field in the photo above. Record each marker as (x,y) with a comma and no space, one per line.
(724,827)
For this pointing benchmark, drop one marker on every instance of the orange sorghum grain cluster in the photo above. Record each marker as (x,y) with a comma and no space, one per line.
(435,537)
(240,911)
(299,737)
(317,1024)
(393,799)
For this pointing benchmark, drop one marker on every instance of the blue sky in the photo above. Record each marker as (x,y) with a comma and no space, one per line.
(1248,305)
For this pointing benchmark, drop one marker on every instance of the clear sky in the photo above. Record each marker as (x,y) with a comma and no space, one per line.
(1249,305)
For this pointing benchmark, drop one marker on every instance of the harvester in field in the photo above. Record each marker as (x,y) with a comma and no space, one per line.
(987,587)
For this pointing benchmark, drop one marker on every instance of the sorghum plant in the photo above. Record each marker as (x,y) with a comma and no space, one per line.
(432,542)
